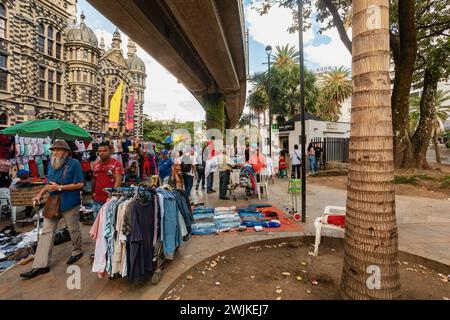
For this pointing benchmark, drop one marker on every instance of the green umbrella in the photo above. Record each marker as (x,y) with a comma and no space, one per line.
(55,129)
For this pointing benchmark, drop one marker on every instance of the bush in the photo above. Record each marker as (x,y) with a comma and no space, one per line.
(330,173)
(445,182)
(404,179)
(447,144)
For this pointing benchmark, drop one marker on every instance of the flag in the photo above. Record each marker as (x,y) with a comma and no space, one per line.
(114,107)
(130,114)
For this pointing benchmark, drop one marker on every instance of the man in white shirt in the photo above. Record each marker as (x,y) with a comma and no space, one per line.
(296,162)
(188,170)
(200,167)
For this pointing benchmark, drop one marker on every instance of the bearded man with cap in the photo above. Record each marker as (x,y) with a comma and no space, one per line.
(60,165)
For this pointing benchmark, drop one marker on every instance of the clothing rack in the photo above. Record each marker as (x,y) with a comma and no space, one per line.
(162,222)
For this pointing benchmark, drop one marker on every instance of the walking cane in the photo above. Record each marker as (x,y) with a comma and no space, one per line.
(35,203)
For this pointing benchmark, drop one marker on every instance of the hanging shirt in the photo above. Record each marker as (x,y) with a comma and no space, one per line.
(104,174)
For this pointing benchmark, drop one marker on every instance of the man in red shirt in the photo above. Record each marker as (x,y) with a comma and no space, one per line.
(107,173)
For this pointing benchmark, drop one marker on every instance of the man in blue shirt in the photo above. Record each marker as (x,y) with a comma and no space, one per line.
(60,166)
(165,167)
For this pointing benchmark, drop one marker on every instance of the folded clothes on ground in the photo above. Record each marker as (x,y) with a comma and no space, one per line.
(254,206)
(200,216)
(226,216)
(6,264)
(229,224)
(245,215)
(273,224)
(253,223)
(218,209)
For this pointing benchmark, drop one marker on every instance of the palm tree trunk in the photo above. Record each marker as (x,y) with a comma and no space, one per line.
(371,241)
(436,147)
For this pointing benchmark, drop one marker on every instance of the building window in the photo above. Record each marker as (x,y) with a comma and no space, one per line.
(58,37)
(3,80)
(41,88)
(50,32)
(78,76)
(85,55)
(79,55)
(90,96)
(58,77)
(50,91)
(58,93)
(2,21)
(3,61)
(50,47)
(3,119)
(41,73)
(51,75)
(85,76)
(92,57)
(58,51)
(74,94)
(41,41)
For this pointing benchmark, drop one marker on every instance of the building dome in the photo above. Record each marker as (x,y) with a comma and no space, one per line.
(82,33)
(135,64)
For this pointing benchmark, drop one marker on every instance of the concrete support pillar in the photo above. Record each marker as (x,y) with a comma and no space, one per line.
(215,111)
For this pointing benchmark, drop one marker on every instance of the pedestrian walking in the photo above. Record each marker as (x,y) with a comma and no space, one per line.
(296,162)
(65,182)
(311,154)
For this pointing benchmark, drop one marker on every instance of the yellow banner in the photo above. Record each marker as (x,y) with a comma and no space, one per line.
(114,107)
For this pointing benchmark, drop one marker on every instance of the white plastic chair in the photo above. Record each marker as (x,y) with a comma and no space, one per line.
(263,183)
(322,222)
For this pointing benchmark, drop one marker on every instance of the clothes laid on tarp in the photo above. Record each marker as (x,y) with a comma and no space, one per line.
(211,220)
(129,225)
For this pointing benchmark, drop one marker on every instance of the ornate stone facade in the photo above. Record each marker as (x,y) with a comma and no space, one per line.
(52,67)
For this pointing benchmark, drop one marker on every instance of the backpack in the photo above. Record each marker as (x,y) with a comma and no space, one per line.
(186,164)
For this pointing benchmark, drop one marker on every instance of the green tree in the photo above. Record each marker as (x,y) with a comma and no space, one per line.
(285,56)
(441,114)
(335,87)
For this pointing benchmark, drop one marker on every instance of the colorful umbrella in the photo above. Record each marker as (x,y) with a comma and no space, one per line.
(55,129)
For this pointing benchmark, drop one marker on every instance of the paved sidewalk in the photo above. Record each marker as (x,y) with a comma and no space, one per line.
(424,229)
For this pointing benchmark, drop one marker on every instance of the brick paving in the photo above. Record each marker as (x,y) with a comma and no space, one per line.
(424,230)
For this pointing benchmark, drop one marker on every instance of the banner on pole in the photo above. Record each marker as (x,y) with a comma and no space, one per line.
(130,114)
(114,108)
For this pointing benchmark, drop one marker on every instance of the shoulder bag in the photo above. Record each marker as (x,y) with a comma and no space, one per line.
(52,205)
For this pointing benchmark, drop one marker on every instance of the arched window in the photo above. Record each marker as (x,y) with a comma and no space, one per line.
(3,119)
(2,21)
(58,46)
(85,55)
(50,32)
(41,40)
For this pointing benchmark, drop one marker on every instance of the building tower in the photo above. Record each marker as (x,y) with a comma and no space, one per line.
(82,70)
(137,70)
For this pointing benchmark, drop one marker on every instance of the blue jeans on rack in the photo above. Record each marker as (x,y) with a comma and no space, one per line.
(172,234)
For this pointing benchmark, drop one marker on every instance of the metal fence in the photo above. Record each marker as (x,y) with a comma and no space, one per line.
(333,150)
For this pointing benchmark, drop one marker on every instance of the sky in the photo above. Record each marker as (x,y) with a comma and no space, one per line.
(166,99)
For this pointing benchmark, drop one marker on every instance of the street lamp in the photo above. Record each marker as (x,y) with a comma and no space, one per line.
(302,105)
(269,52)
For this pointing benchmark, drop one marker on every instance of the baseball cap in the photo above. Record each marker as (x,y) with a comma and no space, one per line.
(21,172)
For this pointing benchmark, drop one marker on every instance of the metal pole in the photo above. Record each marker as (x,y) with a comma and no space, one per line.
(270,109)
(302,106)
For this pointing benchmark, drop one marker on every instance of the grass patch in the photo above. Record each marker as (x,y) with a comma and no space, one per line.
(330,173)
(445,182)
(405,179)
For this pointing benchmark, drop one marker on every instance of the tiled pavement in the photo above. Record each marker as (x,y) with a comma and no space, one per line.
(424,229)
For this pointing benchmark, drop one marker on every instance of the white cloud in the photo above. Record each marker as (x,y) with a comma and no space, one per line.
(271,28)
(332,54)
(165,98)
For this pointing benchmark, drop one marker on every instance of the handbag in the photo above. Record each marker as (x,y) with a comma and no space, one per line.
(52,205)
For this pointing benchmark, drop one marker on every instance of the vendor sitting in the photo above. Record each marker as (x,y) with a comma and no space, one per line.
(131,173)
(22,180)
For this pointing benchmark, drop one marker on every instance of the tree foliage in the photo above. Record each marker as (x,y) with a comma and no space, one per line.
(157,131)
